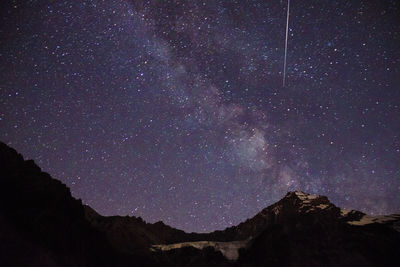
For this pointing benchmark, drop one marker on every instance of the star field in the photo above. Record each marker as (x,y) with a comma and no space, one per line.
(175,110)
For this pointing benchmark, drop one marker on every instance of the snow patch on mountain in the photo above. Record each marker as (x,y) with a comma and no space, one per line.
(311,203)
(394,220)
(230,250)
(305,197)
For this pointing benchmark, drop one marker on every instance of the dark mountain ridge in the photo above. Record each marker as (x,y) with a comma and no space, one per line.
(41,224)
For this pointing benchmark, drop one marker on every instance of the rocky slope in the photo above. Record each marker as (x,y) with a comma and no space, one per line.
(41,224)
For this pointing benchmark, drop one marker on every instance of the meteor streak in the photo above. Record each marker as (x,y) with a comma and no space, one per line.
(286,43)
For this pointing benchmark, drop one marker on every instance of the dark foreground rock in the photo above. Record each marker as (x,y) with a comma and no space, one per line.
(41,224)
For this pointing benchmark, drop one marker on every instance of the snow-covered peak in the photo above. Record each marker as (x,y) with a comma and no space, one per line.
(308,202)
(305,197)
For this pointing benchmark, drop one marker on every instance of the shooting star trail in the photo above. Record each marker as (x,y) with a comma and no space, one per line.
(286,42)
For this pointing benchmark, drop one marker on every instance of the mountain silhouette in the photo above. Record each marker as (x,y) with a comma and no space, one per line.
(41,224)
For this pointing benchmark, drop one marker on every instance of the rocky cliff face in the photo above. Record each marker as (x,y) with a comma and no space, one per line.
(41,224)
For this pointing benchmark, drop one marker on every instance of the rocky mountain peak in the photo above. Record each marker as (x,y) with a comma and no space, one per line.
(306,202)
(297,203)
(38,214)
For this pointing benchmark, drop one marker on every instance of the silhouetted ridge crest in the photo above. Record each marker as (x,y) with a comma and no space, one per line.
(41,224)
(39,216)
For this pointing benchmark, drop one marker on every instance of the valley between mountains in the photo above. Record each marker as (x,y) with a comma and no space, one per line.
(41,224)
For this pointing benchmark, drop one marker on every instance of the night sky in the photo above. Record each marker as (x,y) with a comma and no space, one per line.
(175,110)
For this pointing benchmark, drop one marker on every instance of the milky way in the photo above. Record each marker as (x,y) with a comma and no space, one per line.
(175,110)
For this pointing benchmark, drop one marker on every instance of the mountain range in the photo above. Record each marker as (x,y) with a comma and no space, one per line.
(41,224)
